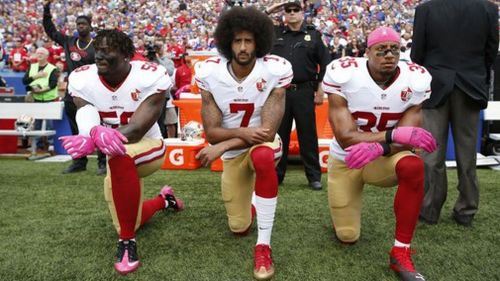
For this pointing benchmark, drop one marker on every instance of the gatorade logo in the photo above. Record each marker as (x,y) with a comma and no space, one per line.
(323,158)
(176,157)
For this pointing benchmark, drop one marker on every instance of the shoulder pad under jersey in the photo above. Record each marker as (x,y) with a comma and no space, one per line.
(79,77)
(341,70)
(202,69)
(420,79)
(276,65)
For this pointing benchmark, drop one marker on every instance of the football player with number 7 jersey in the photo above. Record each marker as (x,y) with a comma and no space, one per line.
(118,103)
(243,101)
(375,112)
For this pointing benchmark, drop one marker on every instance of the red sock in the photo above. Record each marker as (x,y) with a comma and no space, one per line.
(266,180)
(150,207)
(126,189)
(409,196)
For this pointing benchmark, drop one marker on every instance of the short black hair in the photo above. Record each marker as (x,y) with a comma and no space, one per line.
(239,19)
(86,18)
(116,40)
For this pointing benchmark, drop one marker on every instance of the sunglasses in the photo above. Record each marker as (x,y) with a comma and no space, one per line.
(295,10)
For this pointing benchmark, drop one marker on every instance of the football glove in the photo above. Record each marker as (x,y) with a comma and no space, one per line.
(78,146)
(360,154)
(415,137)
(108,140)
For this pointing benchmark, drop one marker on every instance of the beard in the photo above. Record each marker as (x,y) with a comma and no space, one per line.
(247,61)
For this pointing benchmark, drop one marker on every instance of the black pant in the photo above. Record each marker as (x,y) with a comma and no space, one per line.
(70,109)
(300,106)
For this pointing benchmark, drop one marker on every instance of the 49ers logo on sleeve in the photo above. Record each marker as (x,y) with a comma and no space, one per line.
(135,95)
(261,85)
(406,94)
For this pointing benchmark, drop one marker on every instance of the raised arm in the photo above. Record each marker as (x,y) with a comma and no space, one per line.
(49,26)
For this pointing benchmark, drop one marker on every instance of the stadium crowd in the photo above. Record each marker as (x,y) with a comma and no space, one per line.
(180,26)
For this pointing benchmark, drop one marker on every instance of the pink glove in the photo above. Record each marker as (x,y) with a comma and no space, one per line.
(78,146)
(362,153)
(108,140)
(414,136)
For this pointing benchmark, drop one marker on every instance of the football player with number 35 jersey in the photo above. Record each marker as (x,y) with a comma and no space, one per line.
(243,101)
(375,112)
(118,104)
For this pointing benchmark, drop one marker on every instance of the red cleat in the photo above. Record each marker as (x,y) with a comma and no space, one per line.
(400,261)
(263,263)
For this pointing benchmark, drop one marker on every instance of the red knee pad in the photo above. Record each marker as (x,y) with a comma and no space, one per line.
(266,180)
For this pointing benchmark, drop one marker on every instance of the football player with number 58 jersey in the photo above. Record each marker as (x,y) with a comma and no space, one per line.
(243,101)
(375,112)
(118,104)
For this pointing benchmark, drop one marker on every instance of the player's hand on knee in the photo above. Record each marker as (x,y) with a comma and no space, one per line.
(78,146)
(360,154)
(209,154)
(108,140)
(414,136)
(254,135)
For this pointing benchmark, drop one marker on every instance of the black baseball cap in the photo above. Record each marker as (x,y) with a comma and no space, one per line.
(291,3)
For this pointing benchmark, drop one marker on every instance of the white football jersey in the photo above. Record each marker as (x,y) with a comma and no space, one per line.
(241,102)
(375,109)
(117,105)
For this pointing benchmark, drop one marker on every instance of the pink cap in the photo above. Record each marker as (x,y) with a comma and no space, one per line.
(383,34)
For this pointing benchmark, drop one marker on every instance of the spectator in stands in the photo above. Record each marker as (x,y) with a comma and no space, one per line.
(78,51)
(18,57)
(457,40)
(355,48)
(41,84)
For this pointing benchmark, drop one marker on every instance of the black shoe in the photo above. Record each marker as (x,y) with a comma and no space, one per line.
(426,221)
(74,168)
(101,169)
(464,220)
(315,185)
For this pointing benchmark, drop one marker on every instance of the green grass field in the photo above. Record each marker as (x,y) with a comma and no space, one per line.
(57,227)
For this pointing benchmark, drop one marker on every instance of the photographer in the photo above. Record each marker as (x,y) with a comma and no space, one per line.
(168,118)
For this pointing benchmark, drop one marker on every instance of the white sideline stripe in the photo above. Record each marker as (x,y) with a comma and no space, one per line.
(481,161)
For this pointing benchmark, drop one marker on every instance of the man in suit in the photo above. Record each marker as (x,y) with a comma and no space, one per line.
(457,41)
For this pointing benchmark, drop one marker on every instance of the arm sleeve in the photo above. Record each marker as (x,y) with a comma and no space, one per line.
(492,43)
(26,78)
(54,75)
(50,28)
(418,41)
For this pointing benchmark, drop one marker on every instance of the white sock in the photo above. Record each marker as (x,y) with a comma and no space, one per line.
(400,244)
(253,198)
(266,208)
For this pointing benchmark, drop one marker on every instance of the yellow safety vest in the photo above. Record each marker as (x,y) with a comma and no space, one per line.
(43,82)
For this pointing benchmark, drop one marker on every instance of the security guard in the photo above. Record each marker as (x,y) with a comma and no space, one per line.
(303,47)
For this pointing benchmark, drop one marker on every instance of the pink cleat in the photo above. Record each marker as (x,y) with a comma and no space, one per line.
(174,203)
(126,257)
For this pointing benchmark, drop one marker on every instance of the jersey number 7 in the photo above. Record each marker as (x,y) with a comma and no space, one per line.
(247,108)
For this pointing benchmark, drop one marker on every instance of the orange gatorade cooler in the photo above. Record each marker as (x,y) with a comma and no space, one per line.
(180,155)
(324,149)
(217,165)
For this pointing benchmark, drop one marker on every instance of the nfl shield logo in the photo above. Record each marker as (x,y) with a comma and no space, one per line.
(406,94)
(261,85)
(135,95)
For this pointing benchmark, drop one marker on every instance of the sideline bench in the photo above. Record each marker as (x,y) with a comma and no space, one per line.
(39,111)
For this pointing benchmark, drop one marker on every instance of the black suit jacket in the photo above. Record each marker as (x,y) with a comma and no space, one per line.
(457,41)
